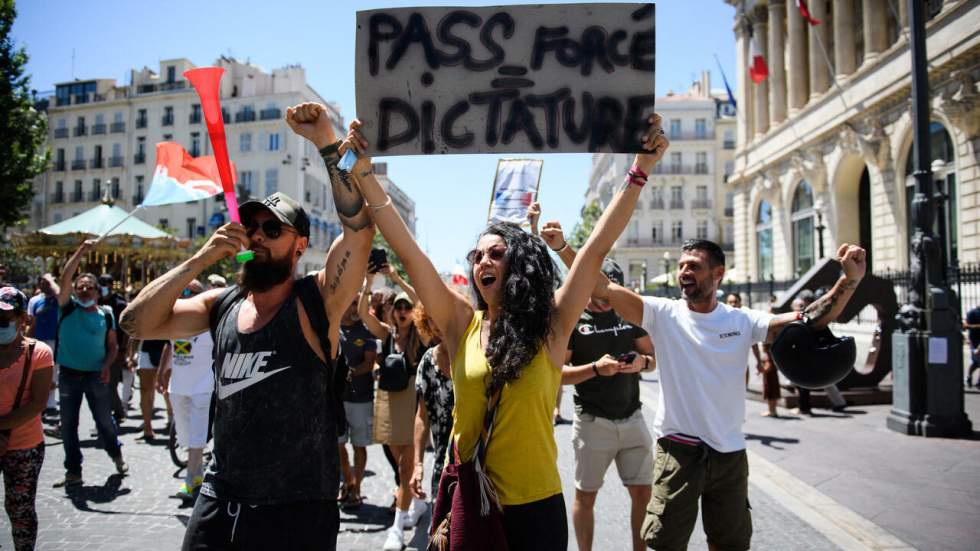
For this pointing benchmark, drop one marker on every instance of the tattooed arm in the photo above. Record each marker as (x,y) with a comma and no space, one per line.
(347,257)
(826,308)
(157,314)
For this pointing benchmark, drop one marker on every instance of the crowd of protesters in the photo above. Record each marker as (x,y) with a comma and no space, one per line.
(285,372)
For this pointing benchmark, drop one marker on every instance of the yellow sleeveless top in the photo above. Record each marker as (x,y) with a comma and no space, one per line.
(522,459)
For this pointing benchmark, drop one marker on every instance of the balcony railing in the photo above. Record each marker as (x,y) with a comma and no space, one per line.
(691,135)
(245,116)
(78,164)
(676,203)
(93,195)
(139,158)
(76,196)
(59,166)
(270,114)
(167,120)
(701,204)
(657,204)
(701,169)
(80,131)
(98,128)
(194,118)
(95,163)
(675,169)
(645,242)
(141,123)
(58,197)
(60,132)
(176,85)
(116,161)
(117,127)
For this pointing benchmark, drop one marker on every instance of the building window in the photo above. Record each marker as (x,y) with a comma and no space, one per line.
(245,142)
(676,197)
(702,193)
(657,232)
(700,129)
(729,139)
(164,223)
(191,227)
(271,181)
(675,162)
(633,235)
(195,144)
(802,220)
(141,118)
(763,240)
(675,128)
(245,180)
(168,116)
(62,123)
(702,229)
(138,197)
(168,137)
(657,200)
(117,117)
(76,195)
(274,141)
(116,191)
(701,160)
(171,74)
(677,231)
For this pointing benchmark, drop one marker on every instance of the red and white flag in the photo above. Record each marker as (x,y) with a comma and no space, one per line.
(805,12)
(459,276)
(758,69)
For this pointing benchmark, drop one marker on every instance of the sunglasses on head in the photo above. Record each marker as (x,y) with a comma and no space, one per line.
(494,253)
(271,228)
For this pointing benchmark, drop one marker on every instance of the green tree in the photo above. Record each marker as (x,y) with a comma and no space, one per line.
(393,260)
(583,229)
(22,128)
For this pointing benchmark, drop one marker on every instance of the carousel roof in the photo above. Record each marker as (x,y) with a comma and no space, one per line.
(97,220)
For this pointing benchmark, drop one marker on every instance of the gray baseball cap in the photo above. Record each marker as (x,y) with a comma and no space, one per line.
(283,207)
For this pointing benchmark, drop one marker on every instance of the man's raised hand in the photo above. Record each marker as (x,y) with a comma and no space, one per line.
(853,260)
(311,121)
(533,215)
(552,235)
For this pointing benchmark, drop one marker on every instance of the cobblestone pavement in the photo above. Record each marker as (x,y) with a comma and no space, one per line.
(111,512)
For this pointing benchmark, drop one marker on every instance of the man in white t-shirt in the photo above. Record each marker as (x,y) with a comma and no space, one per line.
(191,383)
(702,348)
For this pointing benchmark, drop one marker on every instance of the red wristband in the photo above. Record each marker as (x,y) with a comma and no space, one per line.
(639,172)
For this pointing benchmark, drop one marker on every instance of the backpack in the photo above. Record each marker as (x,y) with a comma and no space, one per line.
(70,307)
(312,301)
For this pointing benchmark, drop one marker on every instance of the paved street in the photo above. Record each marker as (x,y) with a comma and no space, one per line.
(920,493)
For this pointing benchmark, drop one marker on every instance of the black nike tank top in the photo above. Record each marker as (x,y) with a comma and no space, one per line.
(275,439)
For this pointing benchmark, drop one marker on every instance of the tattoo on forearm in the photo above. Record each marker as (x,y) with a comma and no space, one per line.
(347,198)
(825,304)
(341,267)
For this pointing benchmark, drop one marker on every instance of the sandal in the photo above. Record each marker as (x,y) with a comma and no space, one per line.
(352,502)
(344,493)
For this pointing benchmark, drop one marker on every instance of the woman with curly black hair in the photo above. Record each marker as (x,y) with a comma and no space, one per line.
(514,342)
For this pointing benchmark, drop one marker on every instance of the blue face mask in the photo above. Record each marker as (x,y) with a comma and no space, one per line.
(85,303)
(105,291)
(8,333)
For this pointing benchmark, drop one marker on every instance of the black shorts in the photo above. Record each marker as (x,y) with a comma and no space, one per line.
(219,524)
(537,526)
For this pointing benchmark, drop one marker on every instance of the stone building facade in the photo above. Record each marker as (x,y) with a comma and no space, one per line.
(824,144)
(685,197)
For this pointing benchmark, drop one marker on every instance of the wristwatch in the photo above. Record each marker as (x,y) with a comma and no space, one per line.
(595,370)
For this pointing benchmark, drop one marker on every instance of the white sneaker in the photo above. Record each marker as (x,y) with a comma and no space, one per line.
(394,540)
(415,513)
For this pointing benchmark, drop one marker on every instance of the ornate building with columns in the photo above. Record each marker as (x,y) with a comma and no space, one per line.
(824,145)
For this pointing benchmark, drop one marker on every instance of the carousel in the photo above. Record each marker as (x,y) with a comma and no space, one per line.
(133,252)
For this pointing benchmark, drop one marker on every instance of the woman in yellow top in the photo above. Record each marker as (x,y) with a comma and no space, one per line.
(516,340)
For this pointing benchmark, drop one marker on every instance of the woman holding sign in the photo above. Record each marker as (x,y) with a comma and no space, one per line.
(508,352)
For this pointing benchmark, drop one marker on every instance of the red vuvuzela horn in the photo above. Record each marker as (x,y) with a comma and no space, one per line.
(206,80)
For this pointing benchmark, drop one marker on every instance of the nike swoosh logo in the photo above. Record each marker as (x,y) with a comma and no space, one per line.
(225,391)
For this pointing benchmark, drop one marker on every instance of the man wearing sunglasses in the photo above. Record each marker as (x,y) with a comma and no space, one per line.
(272,481)
(85,349)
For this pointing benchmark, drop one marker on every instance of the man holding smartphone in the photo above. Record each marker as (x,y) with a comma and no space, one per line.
(604,360)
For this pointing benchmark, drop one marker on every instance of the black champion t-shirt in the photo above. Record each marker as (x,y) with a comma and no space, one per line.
(355,340)
(596,334)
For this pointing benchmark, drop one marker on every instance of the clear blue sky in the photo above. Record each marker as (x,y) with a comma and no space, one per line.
(110,37)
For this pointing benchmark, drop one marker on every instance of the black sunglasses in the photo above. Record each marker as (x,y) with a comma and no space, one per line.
(494,253)
(271,228)
(83,288)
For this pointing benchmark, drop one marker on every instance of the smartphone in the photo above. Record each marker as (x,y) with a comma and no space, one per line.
(627,357)
(378,258)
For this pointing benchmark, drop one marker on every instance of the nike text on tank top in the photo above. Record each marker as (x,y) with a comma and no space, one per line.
(275,439)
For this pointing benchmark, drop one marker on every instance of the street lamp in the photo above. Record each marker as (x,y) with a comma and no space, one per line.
(644,286)
(666,272)
(927,397)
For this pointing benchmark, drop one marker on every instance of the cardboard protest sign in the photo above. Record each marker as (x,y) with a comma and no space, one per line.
(542,78)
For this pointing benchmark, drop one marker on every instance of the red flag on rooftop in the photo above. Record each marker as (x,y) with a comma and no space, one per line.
(805,12)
